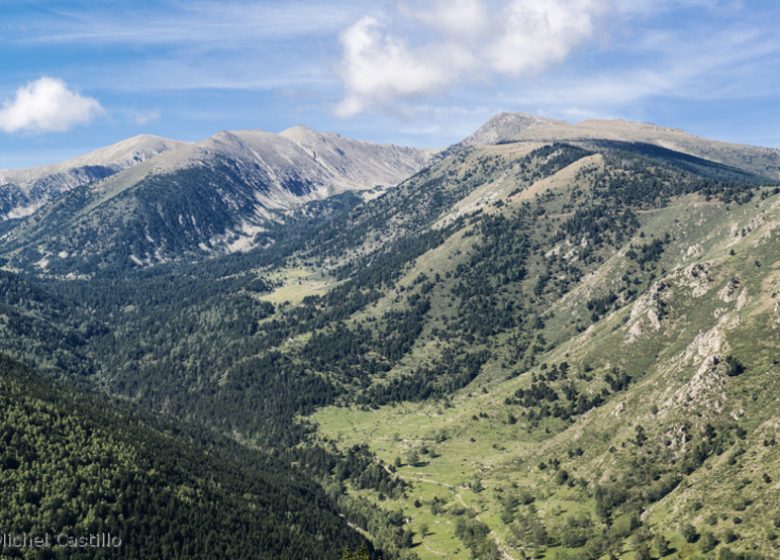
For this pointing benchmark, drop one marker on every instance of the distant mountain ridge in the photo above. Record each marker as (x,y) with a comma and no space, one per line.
(23,191)
(521,127)
(117,156)
(339,163)
(150,200)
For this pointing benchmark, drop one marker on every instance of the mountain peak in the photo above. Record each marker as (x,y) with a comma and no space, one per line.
(523,127)
(303,135)
(125,153)
(298,129)
(518,119)
(233,136)
(516,127)
(113,158)
(141,139)
(504,126)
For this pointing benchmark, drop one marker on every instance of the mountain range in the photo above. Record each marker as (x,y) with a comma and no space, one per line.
(548,340)
(160,198)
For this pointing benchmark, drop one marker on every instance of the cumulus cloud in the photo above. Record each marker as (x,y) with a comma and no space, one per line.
(469,40)
(47,105)
(464,18)
(537,34)
(380,68)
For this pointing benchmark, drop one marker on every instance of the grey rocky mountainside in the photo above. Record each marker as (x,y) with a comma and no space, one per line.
(155,200)
(23,191)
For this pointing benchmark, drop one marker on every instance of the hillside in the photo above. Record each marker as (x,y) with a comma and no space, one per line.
(83,466)
(44,331)
(519,127)
(529,348)
(624,327)
(215,196)
(23,191)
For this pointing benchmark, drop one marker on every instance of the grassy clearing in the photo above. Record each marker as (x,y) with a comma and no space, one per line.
(294,284)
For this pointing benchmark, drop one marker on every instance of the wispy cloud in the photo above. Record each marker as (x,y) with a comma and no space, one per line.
(177,45)
(716,67)
(47,105)
(143,117)
(207,71)
(186,23)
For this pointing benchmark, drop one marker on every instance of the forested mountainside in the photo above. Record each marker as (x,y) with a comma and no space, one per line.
(81,465)
(526,349)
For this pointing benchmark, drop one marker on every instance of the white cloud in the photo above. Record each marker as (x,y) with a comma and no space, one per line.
(464,18)
(47,105)
(380,68)
(535,35)
(470,40)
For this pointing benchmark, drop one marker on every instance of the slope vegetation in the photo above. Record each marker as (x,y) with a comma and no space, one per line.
(191,200)
(526,349)
(78,466)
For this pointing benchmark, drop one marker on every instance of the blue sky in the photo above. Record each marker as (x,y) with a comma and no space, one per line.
(76,75)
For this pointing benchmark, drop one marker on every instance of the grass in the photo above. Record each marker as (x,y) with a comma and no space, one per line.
(505,456)
(294,284)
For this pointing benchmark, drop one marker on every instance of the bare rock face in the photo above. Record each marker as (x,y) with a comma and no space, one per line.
(327,163)
(357,165)
(648,310)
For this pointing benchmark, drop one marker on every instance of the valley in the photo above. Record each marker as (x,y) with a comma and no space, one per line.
(546,341)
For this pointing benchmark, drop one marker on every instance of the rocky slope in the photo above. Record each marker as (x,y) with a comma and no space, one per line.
(212,196)
(23,191)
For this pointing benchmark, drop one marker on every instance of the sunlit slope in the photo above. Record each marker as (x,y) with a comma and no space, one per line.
(642,403)
(521,127)
(193,200)
(500,323)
